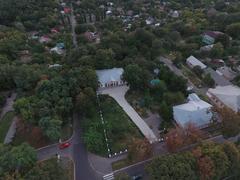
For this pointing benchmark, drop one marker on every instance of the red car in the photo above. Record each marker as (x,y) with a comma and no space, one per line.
(64,145)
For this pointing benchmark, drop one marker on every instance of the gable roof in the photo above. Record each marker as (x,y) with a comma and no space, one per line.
(109,75)
(195,62)
(196,111)
(229,95)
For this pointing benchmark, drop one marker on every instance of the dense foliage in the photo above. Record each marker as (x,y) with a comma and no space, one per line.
(208,161)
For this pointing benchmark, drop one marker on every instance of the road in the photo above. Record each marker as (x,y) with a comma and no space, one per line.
(77,152)
(178,72)
(83,170)
(136,169)
(118,93)
(139,168)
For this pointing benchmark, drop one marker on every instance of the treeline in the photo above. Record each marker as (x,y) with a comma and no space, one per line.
(20,162)
(31,14)
(209,161)
(51,103)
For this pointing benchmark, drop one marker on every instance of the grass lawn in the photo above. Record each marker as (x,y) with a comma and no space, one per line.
(118,125)
(5,123)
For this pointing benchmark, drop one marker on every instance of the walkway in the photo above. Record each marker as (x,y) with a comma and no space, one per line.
(8,105)
(11,131)
(118,93)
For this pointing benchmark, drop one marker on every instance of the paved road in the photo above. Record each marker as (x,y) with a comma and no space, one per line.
(11,131)
(8,105)
(219,80)
(118,93)
(77,152)
(139,168)
(134,170)
(178,72)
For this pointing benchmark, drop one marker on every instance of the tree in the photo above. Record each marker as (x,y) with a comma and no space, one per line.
(204,163)
(11,41)
(224,39)
(85,101)
(230,122)
(233,30)
(133,76)
(26,77)
(47,170)
(6,77)
(179,137)
(166,112)
(198,70)
(218,157)
(193,133)
(175,166)
(93,138)
(208,80)
(24,108)
(173,98)
(233,154)
(139,150)
(175,139)
(17,158)
(217,50)
(51,127)
(104,58)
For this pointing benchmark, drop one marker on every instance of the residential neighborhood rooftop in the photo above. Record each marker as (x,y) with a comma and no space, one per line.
(228,95)
(195,111)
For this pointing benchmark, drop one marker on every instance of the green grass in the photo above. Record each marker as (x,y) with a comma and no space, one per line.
(5,123)
(118,125)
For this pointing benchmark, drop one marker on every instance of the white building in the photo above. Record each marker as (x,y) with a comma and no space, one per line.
(175,14)
(57,50)
(192,62)
(110,77)
(196,111)
(226,96)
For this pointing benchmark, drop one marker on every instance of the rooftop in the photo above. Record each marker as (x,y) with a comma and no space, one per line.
(109,75)
(196,111)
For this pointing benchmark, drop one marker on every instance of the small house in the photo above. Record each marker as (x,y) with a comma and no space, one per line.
(225,96)
(192,62)
(195,111)
(110,77)
(209,37)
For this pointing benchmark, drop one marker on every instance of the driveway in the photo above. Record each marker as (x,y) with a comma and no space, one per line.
(118,93)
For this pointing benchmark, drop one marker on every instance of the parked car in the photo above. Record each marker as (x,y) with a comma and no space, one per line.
(64,145)
(137,177)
